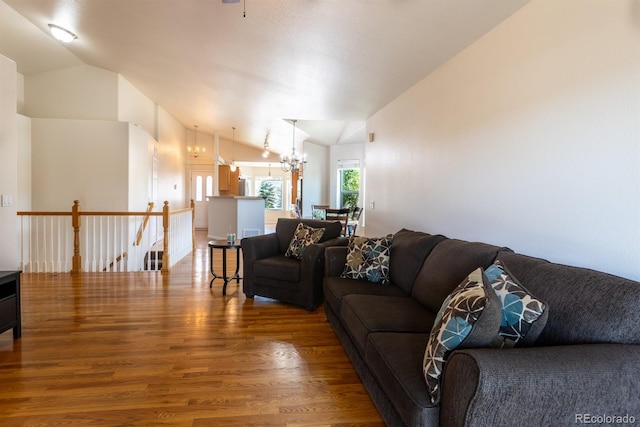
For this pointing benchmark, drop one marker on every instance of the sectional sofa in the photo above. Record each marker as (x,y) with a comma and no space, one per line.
(581,367)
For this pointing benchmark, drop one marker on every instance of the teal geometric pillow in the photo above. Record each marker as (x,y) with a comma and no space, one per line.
(523,315)
(368,259)
(469,317)
(303,237)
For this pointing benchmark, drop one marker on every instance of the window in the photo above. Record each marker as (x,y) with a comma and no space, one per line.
(199,188)
(270,189)
(349,182)
(209,186)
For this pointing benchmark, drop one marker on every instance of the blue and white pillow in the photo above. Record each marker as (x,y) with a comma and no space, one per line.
(523,315)
(469,317)
(368,259)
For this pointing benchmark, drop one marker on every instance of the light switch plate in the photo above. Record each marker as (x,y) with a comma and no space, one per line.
(7,201)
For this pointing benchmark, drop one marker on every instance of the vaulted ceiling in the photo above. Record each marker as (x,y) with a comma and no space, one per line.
(330,64)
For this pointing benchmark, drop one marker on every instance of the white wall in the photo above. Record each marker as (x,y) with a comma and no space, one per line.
(85,160)
(529,138)
(9,169)
(140,163)
(82,92)
(171,156)
(315,183)
(20,100)
(134,107)
(23,202)
(94,94)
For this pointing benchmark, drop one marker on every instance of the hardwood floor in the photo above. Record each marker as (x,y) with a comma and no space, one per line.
(143,349)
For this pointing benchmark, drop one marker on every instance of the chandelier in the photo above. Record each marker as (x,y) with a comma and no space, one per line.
(195,150)
(294,161)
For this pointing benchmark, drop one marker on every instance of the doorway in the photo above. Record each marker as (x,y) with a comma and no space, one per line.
(201,189)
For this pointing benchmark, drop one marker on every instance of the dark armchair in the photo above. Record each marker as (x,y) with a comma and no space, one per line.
(269,273)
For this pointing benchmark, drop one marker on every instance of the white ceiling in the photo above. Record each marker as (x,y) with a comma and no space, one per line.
(330,64)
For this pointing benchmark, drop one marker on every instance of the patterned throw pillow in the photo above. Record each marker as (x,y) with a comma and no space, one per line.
(523,315)
(303,237)
(469,317)
(368,259)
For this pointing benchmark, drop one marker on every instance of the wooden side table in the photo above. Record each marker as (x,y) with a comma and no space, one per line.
(10,302)
(224,245)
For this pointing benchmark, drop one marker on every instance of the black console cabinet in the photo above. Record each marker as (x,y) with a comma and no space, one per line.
(10,302)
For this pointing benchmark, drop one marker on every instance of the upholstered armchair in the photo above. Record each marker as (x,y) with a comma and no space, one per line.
(269,273)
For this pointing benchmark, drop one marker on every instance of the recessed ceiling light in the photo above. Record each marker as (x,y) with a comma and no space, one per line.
(62,34)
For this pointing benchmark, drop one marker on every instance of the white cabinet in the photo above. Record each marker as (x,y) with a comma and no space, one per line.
(235,214)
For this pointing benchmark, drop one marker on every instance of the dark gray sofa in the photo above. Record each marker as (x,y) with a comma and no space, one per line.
(584,365)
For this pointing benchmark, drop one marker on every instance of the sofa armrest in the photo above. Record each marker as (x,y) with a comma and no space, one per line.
(253,248)
(258,247)
(311,255)
(314,255)
(339,242)
(335,258)
(563,385)
(312,270)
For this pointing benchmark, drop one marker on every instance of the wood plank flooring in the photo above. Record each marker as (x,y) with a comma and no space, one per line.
(145,349)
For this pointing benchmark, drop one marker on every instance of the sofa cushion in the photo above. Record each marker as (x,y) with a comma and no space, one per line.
(523,315)
(278,267)
(303,237)
(364,314)
(408,252)
(469,317)
(335,288)
(585,306)
(368,259)
(395,361)
(446,266)
(286,227)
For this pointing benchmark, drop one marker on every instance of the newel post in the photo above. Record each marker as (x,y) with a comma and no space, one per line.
(193,225)
(76,261)
(165,226)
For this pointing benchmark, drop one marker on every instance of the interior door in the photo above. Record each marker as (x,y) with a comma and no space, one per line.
(201,191)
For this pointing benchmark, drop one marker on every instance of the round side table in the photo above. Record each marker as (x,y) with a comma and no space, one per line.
(224,245)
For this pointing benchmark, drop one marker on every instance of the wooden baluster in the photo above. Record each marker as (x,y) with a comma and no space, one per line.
(75,222)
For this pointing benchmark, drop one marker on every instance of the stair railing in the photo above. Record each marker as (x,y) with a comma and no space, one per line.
(145,222)
(79,241)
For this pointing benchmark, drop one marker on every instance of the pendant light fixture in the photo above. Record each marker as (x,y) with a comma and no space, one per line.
(195,150)
(294,161)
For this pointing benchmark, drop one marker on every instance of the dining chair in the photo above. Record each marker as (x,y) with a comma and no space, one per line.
(354,220)
(318,211)
(341,215)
